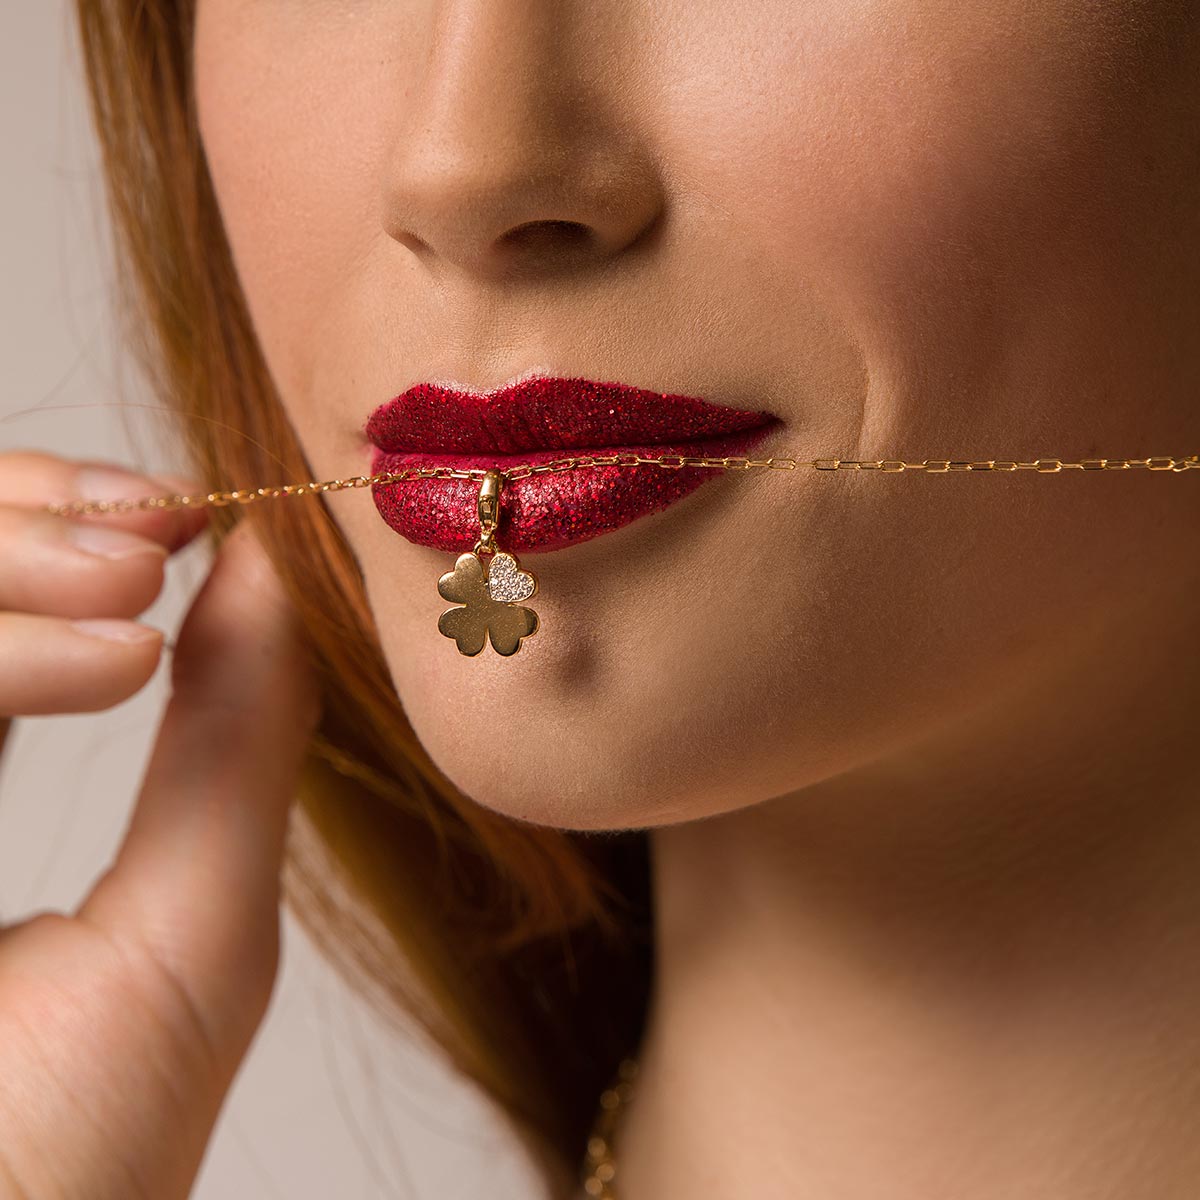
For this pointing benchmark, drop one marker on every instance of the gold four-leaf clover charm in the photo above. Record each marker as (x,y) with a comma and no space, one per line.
(487,599)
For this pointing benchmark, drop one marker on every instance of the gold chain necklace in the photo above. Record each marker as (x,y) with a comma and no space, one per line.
(488,600)
(600,1167)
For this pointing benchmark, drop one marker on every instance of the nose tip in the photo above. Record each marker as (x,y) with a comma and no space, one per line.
(501,228)
(505,162)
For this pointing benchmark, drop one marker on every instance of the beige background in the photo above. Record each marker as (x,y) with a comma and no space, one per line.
(326,1105)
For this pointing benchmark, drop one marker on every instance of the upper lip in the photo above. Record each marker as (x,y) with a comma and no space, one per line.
(545,413)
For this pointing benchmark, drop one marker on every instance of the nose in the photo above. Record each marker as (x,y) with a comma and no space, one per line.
(505,161)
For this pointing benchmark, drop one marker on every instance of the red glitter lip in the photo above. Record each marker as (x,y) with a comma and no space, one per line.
(536,420)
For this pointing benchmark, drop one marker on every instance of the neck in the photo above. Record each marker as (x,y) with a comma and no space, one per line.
(971,970)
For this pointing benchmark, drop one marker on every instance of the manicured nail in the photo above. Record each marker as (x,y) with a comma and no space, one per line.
(111,543)
(180,486)
(111,483)
(116,631)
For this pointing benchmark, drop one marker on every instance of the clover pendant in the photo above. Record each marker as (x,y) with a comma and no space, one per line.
(488,600)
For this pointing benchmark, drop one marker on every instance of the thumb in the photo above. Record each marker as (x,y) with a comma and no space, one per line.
(196,880)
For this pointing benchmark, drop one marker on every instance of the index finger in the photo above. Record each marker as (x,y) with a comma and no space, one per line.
(33,478)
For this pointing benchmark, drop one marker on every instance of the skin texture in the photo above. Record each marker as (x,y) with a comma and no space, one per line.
(948,708)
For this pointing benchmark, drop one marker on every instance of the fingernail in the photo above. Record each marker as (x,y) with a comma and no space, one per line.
(181,486)
(111,543)
(116,631)
(110,483)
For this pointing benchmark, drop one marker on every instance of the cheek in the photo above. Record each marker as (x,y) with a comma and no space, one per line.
(936,172)
(294,118)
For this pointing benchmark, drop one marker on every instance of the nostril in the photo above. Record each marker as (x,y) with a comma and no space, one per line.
(548,235)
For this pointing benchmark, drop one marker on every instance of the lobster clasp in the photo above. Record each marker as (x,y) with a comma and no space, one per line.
(489,505)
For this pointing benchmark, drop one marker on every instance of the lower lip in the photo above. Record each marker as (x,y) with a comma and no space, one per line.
(549,510)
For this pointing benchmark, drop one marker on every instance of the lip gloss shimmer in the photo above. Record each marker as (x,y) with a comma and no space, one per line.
(538,420)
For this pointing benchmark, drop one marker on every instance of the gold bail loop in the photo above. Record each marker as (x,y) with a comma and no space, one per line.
(489,507)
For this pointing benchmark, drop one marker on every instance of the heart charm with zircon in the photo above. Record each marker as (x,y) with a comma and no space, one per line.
(506,581)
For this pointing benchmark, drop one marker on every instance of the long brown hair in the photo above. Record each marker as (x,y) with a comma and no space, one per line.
(523,951)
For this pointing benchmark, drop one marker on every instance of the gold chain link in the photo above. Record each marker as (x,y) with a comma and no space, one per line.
(627,459)
(601,1165)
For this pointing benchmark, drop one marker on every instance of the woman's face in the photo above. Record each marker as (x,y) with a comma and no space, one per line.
(909,228)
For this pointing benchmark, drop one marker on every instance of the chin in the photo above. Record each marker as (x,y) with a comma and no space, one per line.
(529,775)
(556,772)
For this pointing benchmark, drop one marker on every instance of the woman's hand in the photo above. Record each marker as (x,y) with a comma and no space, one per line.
(122,1026)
